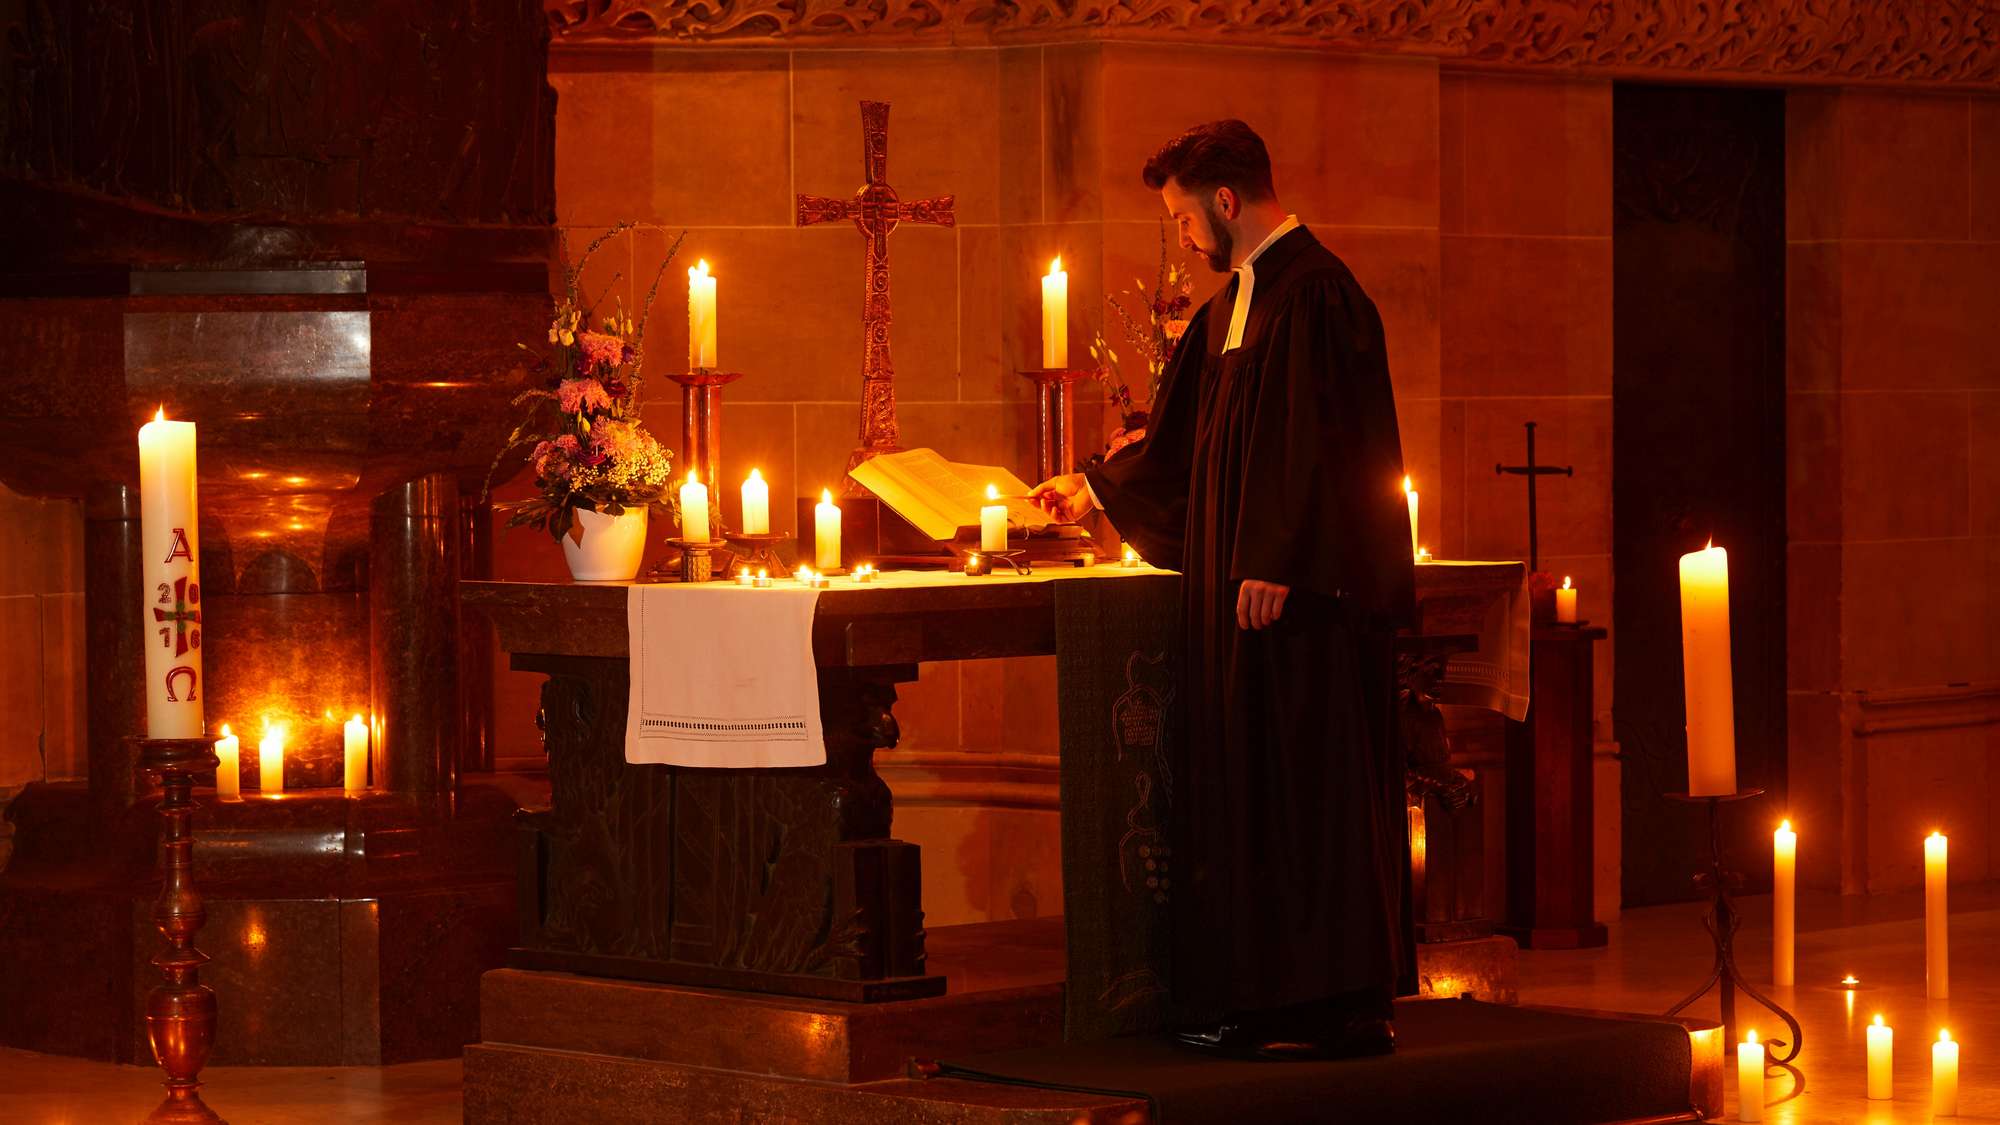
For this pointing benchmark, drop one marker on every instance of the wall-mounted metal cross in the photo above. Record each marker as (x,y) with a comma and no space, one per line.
(1531,471)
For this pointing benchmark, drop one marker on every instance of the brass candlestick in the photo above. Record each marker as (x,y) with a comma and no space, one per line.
(180,1011)
(1055,447)
(701,419)
(697,558)
(761,553)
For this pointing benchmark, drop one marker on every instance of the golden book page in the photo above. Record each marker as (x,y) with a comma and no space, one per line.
(939,496)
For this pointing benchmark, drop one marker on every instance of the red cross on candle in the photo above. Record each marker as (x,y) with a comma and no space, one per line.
(185,598)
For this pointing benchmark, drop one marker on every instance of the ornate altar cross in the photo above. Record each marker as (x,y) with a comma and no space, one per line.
(1531,471)
(875,210)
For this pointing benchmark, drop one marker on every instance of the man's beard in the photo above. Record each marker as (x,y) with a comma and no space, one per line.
(1217,259)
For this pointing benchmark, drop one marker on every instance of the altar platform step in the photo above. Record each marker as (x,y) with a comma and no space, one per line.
(558,1047)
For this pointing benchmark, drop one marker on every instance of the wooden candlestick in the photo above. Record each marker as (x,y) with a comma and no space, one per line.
(180,1011)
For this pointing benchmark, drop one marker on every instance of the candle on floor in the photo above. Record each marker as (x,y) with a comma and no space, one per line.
(694,509)
(1131,558)
(229,766)
(756,505)
(354,735)
(763,579)
(1566,603)
(1848,984)
(1937,954)
(745,578)
(1409,493)
(170,552)
(1944,1076)
(1711,703)
(993,522)
(826,532)
(1750,1079)
(1423,554)
(1784,901)
(271,759)
(1881,1057)
(865,572)
(1055,317)
(701,317)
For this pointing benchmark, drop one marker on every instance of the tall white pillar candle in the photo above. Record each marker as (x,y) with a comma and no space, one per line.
(229,766)
(1410,494)
(701,317)
(694,509)
(355,745)
(993,522)
(1750,1079)
(1711,701)
(171,563)
(1944,1076)
(1881,1060)
(756,505)
(271,759)
(826,532)
(1055,317)
(1784,903)
(1937,952)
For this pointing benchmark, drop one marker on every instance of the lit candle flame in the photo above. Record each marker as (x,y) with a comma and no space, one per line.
(1406,485)
(160,415)
(1785,825)
(1878,1021)
(992,493)
(1752,1038)
(1943,1035)
(698,270)
(826,495)
(755,475)
(692,478)
(763,572)
(225,730)
(1850,980)
(1936,835)
(1711,544)
(1055,267)
(1566,582)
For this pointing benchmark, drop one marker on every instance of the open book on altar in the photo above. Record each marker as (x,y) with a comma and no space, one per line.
(939,497)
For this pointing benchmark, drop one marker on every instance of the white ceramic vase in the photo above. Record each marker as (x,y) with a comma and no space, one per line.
(612,546)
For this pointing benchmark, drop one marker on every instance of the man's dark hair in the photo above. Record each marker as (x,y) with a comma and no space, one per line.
(1219,154)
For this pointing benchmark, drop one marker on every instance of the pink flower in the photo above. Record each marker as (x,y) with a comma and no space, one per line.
(600,350)
(578,395)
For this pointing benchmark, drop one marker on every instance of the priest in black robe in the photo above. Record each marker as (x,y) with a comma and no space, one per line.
(1270,477)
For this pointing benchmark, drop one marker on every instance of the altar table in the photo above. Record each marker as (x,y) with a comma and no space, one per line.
(789,880)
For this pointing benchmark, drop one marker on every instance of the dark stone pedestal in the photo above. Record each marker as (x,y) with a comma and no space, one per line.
(342,932)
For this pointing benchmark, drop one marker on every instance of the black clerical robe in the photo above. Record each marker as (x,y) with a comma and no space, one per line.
(1279,460)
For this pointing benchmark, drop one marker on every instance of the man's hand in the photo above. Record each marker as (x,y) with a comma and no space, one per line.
(1064,497)
(1258,604)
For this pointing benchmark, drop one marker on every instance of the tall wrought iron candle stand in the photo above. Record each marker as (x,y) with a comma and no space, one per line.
(180,1011)
(1055,447)
(1722,921)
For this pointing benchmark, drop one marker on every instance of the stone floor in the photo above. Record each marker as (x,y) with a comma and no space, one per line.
(1655,955)
(1658,954)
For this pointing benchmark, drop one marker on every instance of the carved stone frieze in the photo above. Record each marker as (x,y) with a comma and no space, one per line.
(1906,42)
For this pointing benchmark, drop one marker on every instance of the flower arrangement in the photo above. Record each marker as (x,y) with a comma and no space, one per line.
(1153,335)
(588,448)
